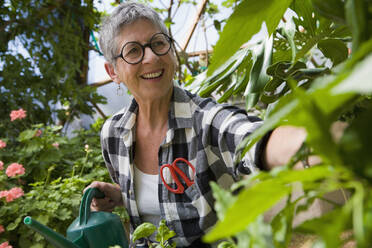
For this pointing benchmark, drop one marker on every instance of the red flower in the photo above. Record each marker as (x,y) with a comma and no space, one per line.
(2,229)
(15,169)
(1,165)
(17,114)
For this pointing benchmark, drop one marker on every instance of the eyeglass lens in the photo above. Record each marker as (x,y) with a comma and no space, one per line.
(133,51)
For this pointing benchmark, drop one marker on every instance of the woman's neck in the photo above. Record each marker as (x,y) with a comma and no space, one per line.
(153,114)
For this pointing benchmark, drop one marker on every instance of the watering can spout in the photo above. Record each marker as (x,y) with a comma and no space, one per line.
(53,237)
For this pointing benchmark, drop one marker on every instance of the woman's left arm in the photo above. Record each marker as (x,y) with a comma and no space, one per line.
(285,141)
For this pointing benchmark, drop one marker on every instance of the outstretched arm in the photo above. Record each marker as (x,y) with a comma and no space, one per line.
(285,141)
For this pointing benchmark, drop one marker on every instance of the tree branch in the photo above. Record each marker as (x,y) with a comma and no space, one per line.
(200,11)
(101,83)
(99,110)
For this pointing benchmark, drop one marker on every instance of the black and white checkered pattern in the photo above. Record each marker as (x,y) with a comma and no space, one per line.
(199,130)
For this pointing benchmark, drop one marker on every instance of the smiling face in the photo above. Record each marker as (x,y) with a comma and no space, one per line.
(152,78)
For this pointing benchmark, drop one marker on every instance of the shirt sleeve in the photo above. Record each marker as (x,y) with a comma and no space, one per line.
(230,126)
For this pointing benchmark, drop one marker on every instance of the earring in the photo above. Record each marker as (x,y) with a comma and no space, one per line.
(119,90)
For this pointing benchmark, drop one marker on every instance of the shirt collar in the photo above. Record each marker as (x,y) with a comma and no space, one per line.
(180,112)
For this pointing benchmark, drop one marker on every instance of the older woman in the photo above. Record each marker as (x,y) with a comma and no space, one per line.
(163,123)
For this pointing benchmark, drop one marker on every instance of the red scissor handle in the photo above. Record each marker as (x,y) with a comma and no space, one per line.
(174,171)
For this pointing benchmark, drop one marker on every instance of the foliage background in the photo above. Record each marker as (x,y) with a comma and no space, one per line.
(309,71)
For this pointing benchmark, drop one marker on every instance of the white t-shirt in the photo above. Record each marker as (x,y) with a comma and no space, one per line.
(146,191)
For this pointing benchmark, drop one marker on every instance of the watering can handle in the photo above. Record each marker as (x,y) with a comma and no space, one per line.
(84,212)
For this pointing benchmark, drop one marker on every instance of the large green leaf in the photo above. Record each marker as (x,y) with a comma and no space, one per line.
(260,197)
(324,92)
(331,9)
(359,81)
(258,76)
(246,21)
(207,84)
(356,19)
(334,49)
(245,210)
(306,16)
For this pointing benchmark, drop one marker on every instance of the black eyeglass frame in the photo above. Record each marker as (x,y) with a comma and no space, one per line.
(169,39)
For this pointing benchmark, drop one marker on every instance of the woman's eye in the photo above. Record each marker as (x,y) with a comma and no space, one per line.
(132,51)
(158,43)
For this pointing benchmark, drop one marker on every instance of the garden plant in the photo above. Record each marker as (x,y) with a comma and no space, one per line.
(310,69)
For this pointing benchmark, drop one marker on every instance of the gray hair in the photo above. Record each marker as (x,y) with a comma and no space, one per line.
(124,14)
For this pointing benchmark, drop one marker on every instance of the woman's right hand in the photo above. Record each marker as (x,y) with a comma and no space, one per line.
(113,197)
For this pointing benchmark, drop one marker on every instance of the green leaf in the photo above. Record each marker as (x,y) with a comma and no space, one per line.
(26,135)
(317,124)
(359,81)
(264,194)
(217,25)
(328,226)
(206,85)
(226,244)
(13,225)
(304,10)
(168,22)
(284,108)
(258,77)
(356,19)
(282,225)
(164,233)
(331,9)
(356,143)
(224,199)
(288,31)
(333,49)
(144,230)
(37,246)
(246,21)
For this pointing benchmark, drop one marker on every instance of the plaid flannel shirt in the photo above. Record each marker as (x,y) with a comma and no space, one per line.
(199,130)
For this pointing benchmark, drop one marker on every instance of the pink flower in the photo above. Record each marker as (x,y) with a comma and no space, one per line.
(17,114)
(2,229)
(15,193)
(15,169)
(5,245)
(38,133)
(2,144)
(11,194)
(56,145)
(3,193)
(1,165)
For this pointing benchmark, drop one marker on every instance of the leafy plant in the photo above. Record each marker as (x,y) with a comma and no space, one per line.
(53,180)
(163,234)
(312,70)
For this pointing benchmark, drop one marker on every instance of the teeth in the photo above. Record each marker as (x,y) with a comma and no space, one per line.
(152,75)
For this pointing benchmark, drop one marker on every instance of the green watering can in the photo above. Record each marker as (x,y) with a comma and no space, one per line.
(89,230)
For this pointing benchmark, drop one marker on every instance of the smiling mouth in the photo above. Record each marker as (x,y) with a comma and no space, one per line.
(152,75)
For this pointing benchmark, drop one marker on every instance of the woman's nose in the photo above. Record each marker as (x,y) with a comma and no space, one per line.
(149,55)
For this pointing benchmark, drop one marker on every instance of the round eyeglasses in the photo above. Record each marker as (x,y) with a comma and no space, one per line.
(133,52)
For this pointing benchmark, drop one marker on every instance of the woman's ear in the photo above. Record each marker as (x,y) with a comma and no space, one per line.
(110,69)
